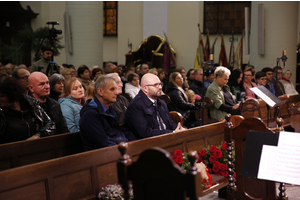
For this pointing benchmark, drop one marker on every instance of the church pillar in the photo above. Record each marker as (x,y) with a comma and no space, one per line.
(86,19)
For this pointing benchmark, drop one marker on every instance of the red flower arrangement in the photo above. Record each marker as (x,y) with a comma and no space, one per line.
(214,157)
(181,159)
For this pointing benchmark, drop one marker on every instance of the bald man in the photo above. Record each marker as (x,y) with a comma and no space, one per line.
(147,115)
(38,84)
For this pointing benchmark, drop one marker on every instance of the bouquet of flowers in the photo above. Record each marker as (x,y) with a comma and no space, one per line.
(181,158)
(216,159)
(113,192)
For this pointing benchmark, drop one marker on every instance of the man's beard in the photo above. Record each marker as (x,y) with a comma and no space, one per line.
(47,59)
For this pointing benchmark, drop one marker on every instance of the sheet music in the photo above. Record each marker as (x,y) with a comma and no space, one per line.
(263,96)
(281,163)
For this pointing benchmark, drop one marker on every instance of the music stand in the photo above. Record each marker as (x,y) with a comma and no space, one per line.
(269,98)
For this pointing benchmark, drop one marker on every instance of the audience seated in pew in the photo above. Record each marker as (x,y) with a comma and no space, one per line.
(210,77)
(147,115)
(21,116)
(219,92)
(121,104)
(133,86)
(190,76)
(40,89)
(99,126)
(71,103)
(22,75)
(278,86)
(162,77)
(236,84)
(179,100)
(56,82)
(287,84)
(249,73)
(197,85)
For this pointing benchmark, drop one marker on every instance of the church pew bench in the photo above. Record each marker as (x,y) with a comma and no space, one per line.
(32,151)
(81,176)
(245,187)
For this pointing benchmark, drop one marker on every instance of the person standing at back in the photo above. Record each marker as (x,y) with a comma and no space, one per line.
(42,64)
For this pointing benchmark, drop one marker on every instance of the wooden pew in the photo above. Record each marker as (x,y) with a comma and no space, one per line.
(295,116)
(244,187)
(32,151)
(252,109)
(81,176)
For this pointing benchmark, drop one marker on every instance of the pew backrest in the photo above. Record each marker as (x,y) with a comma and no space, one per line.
(295,116)
(156,176)
(21,153)
(81,176)
(244,187)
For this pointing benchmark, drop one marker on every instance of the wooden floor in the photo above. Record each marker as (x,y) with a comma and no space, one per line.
(292,191)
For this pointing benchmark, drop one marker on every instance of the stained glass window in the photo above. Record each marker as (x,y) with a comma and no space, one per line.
(110,18)
(223,17)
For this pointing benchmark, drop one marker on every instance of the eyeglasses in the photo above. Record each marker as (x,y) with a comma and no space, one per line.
(247,75)
(24,77)
(156,85)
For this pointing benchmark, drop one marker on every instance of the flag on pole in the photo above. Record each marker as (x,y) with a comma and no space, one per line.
(200,51)
(169,58)
(222,56)
(232,58)
(213,46)
(239,55)
(207,47)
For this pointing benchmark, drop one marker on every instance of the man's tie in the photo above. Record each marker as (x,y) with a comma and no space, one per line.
(161,124)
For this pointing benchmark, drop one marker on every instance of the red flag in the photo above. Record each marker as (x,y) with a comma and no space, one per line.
(223,57)
(207,48)
(169,60)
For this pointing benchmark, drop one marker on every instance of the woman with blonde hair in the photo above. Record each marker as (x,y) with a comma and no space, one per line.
(90,91)
(71,102)
(185,84)
(66,72)
(179,100)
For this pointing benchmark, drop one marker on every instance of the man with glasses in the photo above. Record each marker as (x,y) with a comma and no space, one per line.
(147,115)
(269,76)
(22,75)
(277,75)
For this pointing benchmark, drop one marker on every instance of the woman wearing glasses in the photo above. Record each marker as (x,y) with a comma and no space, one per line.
(248,76)
(133,86)
(179,100)
(219,92)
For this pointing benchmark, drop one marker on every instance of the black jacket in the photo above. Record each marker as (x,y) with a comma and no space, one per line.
(52,108)
(20,125)
(178,101)
(120,107)
(198,87)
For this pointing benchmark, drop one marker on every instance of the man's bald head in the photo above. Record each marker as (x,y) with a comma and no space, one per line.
(151,86)
(39,86)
